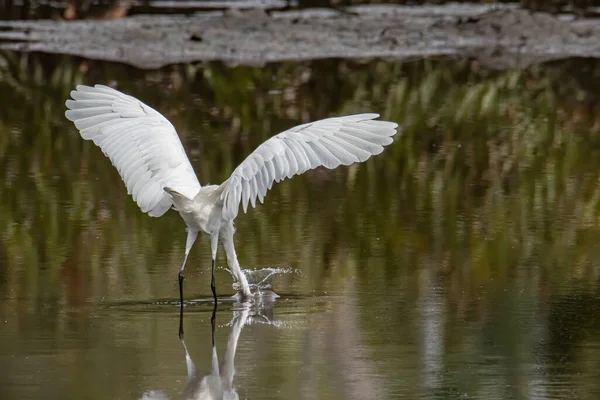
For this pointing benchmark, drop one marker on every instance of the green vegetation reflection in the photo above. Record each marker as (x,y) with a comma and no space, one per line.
(493,170)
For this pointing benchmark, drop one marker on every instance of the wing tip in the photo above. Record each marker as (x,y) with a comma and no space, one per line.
(81,88)
(98,87)
(388,124)
(68,113)
(372,116)
(105,87)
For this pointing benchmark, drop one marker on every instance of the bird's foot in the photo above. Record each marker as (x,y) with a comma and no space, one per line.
(245,296)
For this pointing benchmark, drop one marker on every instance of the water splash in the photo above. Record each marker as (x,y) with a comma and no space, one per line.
(260,310)
(261,280)
(154,395)
(259,319)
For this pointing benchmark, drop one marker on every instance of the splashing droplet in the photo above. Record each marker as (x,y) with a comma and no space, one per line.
(262,279)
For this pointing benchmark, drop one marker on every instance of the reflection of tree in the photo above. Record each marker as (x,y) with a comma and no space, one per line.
(571,319)
(494,176)
(478,148)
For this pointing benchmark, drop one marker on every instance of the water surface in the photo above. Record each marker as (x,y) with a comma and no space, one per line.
(460,263)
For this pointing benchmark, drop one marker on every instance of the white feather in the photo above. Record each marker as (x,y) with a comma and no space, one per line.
(140,142)
(148,154)
(329,143)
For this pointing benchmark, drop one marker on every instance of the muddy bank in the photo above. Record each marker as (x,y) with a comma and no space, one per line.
(498,36)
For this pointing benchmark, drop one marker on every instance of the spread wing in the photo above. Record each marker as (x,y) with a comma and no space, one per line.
(329,142)
(140,143)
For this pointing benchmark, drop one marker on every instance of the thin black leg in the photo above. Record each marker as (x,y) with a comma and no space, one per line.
(181,287)
(212,283)
(180,304)
(181,322)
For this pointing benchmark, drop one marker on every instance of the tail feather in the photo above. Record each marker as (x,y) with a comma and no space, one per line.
(180,202)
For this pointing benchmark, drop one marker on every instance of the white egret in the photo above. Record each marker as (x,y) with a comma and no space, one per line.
(144,147)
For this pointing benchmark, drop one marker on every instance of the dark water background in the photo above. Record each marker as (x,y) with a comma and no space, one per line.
(462,262)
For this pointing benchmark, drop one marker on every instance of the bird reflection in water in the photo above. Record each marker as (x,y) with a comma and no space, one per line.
(219,383)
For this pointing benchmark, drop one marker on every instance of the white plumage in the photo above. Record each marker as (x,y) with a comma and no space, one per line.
(329,143)
(139,141)
(148,154)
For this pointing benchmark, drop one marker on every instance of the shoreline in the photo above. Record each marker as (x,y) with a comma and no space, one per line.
(498,36)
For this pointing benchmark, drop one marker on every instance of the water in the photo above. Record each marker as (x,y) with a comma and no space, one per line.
(462,263)
(260,280)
